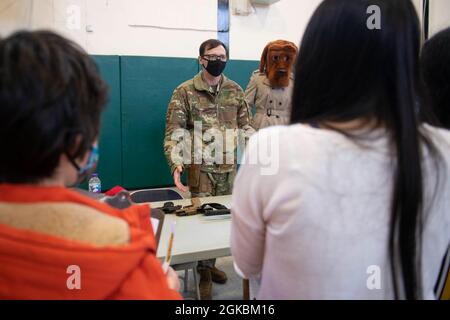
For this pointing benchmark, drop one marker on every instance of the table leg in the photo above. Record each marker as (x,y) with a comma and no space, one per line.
(246,289)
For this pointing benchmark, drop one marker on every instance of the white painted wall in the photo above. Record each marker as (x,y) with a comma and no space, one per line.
(439,15)
(109,20)
(112,34)
(286,19)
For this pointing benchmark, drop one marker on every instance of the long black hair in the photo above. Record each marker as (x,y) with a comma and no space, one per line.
(349,70)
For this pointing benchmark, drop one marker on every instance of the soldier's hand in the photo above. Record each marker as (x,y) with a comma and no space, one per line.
(177,179)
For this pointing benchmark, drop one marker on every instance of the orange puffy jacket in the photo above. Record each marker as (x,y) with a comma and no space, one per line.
(35,265)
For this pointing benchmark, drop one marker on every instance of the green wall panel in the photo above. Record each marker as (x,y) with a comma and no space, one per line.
(110,144)
(241,71)
(147,85)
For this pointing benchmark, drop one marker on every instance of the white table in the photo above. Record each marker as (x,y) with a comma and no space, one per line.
(196,237)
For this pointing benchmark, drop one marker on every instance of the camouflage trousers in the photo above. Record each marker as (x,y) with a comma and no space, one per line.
(210,185)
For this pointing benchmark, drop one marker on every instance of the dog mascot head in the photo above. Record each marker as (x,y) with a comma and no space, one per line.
(276,62)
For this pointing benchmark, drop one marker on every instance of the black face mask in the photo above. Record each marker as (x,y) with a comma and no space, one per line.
(215,68)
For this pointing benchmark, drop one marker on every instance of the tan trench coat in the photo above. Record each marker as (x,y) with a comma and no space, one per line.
(273,106)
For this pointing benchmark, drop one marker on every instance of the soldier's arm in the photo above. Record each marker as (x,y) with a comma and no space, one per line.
(176,118)
(250,92)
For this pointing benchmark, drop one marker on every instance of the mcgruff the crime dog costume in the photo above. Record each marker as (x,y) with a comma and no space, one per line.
(270,87)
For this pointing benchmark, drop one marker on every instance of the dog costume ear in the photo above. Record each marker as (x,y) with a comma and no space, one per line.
(263,61)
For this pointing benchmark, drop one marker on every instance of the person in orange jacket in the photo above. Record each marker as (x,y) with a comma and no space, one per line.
(54,242)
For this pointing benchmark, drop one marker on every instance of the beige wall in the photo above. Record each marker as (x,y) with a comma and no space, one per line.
(112,34)
(286,19)
(110,21)
(439,15)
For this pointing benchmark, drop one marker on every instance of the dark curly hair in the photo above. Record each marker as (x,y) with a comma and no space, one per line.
(51,95)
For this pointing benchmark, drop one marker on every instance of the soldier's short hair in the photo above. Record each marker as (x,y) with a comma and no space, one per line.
(211,44)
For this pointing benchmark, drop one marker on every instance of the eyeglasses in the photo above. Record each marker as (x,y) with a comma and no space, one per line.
(215,58)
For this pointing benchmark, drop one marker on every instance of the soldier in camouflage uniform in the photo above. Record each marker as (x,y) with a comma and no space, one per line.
(216,103)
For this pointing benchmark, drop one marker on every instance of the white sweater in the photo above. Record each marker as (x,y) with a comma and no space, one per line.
(318,227)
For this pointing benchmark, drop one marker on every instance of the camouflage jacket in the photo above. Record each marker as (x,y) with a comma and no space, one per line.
(195,105)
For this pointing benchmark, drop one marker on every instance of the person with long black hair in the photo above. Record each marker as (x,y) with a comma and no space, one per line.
(359,205)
